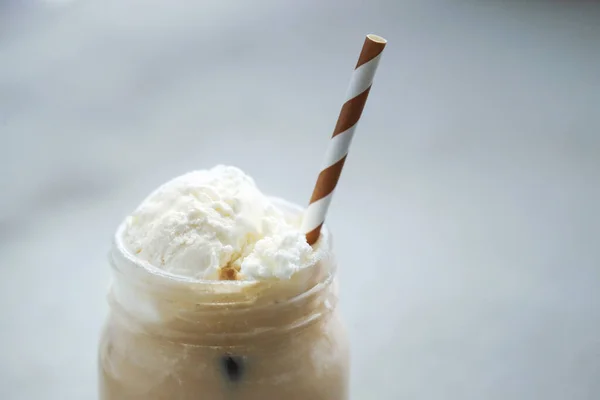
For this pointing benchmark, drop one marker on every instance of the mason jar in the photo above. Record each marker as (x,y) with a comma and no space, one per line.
(171,337)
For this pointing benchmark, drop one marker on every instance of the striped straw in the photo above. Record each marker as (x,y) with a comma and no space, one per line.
(356,97)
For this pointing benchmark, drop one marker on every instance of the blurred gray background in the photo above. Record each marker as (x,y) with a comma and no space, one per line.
(466,221)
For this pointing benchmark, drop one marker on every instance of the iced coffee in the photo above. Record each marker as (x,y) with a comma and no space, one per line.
(216,295)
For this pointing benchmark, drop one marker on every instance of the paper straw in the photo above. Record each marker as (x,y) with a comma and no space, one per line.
(356,97)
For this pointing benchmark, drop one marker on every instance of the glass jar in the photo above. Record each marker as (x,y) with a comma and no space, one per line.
(168,337)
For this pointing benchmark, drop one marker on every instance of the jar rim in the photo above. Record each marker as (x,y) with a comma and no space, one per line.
(121,256)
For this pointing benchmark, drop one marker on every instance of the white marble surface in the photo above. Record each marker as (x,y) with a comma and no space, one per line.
(467,220)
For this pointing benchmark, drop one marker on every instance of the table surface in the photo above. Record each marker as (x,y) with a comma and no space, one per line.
(466,220)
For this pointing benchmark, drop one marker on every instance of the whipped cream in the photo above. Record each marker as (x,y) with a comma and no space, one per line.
(216,224)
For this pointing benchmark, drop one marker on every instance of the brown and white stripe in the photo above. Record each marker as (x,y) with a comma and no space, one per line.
(356,97)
